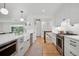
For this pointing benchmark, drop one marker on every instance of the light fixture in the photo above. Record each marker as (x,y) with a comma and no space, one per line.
(4,10)
(21,19)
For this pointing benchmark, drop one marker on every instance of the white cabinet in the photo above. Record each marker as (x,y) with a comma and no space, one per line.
(33,37)
(5,27)
(52,37)
(69,52)
(22,46)
(71,47)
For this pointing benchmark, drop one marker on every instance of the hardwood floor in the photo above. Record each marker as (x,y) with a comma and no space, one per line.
(39,48)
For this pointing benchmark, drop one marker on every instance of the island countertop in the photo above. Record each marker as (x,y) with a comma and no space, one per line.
(8,37)
(76,37)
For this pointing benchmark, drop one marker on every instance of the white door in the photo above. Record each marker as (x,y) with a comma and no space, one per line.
(38,27)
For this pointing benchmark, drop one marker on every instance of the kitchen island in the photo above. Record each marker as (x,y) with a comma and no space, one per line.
(19,42)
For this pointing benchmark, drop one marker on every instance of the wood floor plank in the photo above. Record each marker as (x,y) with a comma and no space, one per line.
(39,48)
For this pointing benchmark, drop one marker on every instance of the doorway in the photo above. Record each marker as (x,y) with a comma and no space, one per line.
(38,27)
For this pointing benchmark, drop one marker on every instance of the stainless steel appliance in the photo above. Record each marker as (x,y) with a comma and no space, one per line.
(60,43)
(8,49)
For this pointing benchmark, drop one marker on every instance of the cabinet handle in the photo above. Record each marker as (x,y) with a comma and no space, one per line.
(21,48)
(72,41)
(73,45)
(72,53)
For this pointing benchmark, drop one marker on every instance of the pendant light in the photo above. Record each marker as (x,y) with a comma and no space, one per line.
(21,19)
(4,10)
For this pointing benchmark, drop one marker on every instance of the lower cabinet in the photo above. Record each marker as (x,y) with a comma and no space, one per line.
(21,51)
(71,47)
(22,47)
(52,37)
(69,52)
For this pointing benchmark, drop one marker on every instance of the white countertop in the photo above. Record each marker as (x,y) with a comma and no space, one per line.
(76,37)
(5,38)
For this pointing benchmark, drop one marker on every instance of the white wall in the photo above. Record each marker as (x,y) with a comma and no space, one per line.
(46,26)
(70,10)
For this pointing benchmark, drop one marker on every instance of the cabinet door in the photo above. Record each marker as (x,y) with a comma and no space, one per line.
(51,37)
(27,44)
(34,37)
(21,51)
(23,48)
(54,38)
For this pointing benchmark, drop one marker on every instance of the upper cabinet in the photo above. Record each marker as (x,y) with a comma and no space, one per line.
(4,27)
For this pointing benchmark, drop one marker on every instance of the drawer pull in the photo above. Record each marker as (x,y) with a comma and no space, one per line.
(73,45)
(72,53)
(72,41)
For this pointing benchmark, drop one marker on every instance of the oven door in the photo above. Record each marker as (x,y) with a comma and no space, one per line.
(60,44)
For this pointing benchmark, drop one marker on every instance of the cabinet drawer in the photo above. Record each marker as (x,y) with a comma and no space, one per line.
(69,52)
(72,44)
(66,52)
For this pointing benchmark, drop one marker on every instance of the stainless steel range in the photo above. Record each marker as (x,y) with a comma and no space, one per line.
(60,43)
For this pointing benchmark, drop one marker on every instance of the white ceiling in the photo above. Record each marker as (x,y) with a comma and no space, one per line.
(30,9)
